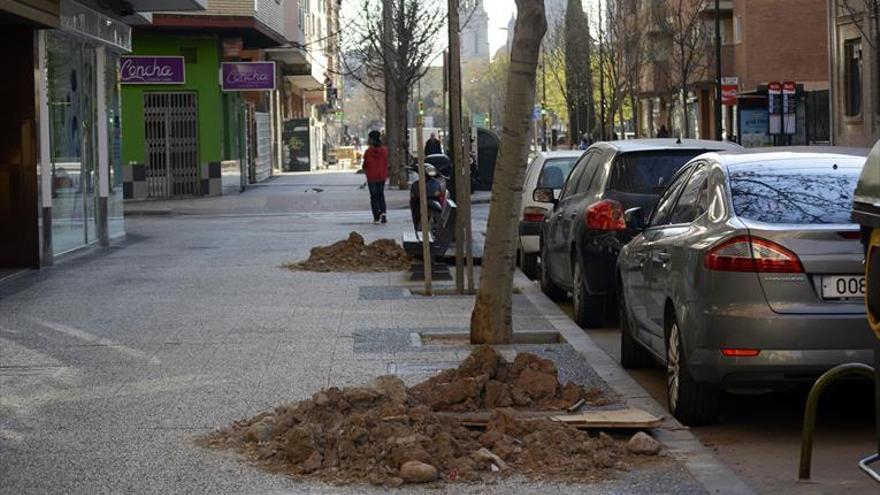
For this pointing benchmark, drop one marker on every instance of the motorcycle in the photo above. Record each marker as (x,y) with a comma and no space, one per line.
(441,209)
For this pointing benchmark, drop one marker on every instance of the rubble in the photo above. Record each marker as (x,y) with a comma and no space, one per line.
(354,255)
(388,434)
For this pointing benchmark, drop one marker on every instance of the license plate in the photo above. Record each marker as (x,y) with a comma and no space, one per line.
(843,286)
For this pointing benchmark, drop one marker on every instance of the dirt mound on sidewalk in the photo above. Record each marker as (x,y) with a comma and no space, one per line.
(354,255)
(367,434)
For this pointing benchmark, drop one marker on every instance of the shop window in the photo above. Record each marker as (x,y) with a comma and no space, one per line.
(852,76)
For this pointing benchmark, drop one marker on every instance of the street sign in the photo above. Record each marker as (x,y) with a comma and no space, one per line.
(247,76)
(138,69)
(789,107)
(774,107)
(729,88)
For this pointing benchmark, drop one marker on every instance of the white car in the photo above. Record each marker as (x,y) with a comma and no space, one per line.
(547,169)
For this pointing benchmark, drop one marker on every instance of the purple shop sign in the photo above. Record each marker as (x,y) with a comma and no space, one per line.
(137,69)
(247,76)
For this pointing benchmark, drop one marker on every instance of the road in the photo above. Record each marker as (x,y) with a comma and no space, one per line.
(759,434)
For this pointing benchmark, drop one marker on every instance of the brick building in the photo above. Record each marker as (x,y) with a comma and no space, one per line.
(761,42)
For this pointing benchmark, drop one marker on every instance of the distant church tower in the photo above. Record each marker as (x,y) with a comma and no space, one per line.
(474,34)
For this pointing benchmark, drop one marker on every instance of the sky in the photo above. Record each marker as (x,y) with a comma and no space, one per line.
(499,15)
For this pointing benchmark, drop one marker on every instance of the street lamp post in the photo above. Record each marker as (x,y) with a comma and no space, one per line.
(718,71)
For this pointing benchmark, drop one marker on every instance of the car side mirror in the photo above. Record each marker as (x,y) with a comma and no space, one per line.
(545,195)
(635,218)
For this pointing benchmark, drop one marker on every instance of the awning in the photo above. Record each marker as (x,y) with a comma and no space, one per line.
(167,5)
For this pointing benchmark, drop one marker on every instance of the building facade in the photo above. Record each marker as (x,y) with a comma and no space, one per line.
(854,41)
(474,31)
(761,42)
(60,154)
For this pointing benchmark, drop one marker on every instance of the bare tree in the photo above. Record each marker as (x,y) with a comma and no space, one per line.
(491,321)
(682,25)
(416,24)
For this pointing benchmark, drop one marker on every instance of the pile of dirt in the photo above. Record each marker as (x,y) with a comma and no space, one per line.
(386,434)
(354,255)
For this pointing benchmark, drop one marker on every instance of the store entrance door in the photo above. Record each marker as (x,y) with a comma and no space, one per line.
(19,237)
(171,132)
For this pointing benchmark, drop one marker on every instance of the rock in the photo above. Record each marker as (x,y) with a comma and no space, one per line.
(642,443)
(572,392)
(417,472)
(395,481)
(520,397)
(312,464)
(536,384)
(321,399)
(489,438)
(527,360)
(392,387)
(261,431)
(484,360)
(485,457)
(360,396)
(446,394)
(497,395)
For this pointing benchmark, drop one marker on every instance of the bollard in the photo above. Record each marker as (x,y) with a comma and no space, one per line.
(843,370)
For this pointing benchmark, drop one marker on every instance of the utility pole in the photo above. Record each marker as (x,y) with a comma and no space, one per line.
(392,134)
(455,138)
(718,135)
(543,105)
(601,75)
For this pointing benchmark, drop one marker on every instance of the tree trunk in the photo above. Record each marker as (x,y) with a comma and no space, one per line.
(403,139)
(491,321)
(388,53)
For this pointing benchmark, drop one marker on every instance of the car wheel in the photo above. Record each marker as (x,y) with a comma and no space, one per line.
(691,403)
(589,311)
(632,354)
(549,288)
(528,263)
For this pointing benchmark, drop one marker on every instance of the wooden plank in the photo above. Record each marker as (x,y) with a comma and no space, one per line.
(619,418)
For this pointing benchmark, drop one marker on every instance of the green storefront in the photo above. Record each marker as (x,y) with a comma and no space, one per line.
(176,134)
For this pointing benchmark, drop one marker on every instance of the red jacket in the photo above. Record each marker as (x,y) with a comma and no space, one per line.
(376,164)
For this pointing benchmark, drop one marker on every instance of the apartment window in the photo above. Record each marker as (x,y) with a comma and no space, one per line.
(737,30)
(852,76)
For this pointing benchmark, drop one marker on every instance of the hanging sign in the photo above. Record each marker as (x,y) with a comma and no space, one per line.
(729,87)
(247,76)
(138,69)
(774,107)
(789,107)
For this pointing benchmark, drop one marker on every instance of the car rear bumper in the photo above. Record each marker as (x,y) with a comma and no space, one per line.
(529,234)
(793,348)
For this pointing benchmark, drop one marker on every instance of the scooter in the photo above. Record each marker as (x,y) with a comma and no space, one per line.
(441,209)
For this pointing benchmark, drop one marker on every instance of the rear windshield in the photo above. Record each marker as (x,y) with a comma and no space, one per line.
(800,195)
(555,171)
(647,172)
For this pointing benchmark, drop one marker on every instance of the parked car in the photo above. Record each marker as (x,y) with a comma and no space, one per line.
(748,273)
(866,211)
(548,169)
(582,235)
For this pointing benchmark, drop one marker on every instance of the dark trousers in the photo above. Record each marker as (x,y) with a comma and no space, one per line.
(377,198)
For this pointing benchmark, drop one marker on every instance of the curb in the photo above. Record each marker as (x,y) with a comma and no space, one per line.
(684,447)
(148,213)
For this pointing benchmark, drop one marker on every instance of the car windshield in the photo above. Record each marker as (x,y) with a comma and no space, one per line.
(647,172)
(555,171)
(789,193)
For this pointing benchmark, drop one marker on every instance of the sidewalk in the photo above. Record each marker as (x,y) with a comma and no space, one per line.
(107,378)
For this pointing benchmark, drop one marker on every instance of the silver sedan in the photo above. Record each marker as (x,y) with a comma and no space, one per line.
(749,273)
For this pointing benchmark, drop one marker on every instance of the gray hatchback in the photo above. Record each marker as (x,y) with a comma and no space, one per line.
(748,273)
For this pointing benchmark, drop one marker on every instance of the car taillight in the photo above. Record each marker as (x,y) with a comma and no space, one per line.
(752,254)
(605,215)
(740,352)
(534,214)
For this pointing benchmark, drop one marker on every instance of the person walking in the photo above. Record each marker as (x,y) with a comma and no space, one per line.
(432,146)
(376,169)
